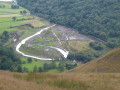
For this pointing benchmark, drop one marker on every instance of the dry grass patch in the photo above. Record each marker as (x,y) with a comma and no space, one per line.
(10,15)
(80,81)
(63,81)
(79,45)
(35,23)
(9,82)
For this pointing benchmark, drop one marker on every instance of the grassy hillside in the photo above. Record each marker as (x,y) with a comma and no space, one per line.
(32,81)
(76,79)
(23,26)
(109,62)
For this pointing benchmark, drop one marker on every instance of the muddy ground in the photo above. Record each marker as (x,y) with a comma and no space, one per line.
(59,37)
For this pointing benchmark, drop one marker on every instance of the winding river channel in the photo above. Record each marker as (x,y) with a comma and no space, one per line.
(63,52)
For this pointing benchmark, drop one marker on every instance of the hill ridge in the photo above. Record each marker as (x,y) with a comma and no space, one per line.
(108,63)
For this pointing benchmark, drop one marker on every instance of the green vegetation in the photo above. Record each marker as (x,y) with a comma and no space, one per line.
(8,59)
(96,45)
(108,63)
(32,51)
(8,8)
(86,56)
(8,18)
(11,20)
(25,25)
(53,71)
(38,63)
(98,18)
(4,37)
(15,24)
(76,46)
(14,6)
(47,66)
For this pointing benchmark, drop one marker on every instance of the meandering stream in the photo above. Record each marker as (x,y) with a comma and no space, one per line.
(63,52)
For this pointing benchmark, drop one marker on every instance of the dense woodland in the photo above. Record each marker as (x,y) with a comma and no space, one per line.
(8,59)
(99,18)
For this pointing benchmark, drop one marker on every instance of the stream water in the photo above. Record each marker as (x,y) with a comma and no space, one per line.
(63,52)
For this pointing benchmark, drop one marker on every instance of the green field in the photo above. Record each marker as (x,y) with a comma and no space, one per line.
(7,23)
(11,20)
(6,15)
(76,46)
(8,8)
(24,26)
(38,63)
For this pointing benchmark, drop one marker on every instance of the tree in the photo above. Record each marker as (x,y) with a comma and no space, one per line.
(14,6)
(41,69)
(35,69)
(29,60)
(25,69)
(5,63)
(96,45)
(21,12)
(45,67)
(75,64)
(52,65)
(112,44)
(4,37)
(90,17)
(5,33)
(61,67)
(70,66)
(24,11)
(14,19)
(71,57)
(19,68)
(8,60)
(3,6)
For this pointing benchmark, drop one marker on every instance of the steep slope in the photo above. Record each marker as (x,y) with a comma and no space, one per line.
(99,18)
(109,63)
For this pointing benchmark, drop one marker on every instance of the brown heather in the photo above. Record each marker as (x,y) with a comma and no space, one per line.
(64,81)
(98,74)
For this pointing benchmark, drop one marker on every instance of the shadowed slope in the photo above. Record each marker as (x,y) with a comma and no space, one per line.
(109,63)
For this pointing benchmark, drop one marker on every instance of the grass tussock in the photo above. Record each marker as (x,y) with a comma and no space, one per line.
(53,80)
(63,81)
(80,81)
(69,84)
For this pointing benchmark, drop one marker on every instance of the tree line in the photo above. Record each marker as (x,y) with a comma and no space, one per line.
(14,6)
(46,67)
(2,6)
